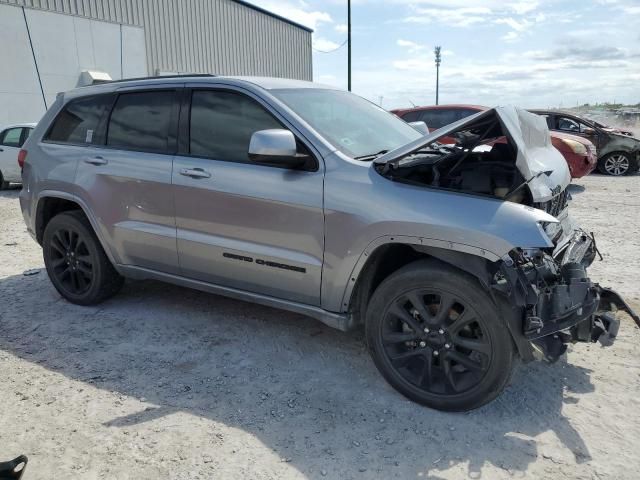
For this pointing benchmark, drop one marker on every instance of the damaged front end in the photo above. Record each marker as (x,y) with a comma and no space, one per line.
(561,304)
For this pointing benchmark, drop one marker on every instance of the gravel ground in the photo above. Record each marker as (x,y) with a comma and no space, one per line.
(165,382)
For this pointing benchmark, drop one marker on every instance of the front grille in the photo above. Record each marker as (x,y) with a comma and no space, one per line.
(557,204)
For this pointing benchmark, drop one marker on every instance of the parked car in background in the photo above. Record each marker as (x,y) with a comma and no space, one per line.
(579,152)
(618,153)
(12,138)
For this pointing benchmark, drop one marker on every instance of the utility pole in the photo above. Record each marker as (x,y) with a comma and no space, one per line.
(438,59)
(349,45)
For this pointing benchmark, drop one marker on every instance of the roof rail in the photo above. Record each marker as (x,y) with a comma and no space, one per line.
(155,77)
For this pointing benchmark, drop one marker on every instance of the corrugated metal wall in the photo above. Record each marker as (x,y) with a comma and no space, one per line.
(202,36)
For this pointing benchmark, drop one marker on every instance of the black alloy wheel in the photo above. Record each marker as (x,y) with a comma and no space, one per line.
(438,338)
(76,263)
(435,342)
(70,261)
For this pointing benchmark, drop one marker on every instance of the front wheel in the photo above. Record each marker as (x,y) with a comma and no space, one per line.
(437,337)
(617,164)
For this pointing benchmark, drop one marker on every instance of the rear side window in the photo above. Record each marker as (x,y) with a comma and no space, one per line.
(140,121)
(222,123)
(439,118)
(11,137)
(411,116)
(78,121)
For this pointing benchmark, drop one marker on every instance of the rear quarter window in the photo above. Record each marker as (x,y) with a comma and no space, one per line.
(78,121)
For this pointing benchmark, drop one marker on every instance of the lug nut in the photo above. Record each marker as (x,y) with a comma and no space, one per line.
(423,344)
(446,345)
(426,329)
(441,331)
(436,353)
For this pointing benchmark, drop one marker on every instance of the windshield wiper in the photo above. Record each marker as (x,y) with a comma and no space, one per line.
(371,156)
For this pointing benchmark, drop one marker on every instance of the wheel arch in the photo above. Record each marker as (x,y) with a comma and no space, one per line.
(390,257)
(51,203)
(387,256)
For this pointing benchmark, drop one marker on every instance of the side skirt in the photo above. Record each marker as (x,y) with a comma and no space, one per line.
(343,322)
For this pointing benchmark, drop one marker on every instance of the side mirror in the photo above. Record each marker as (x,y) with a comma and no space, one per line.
(421,127)
(275,147)
(589,131)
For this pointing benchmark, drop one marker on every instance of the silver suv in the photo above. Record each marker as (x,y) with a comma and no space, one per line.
(457,259)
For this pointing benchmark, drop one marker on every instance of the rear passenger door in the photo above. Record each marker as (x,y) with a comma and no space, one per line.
(243,225)
(125,177)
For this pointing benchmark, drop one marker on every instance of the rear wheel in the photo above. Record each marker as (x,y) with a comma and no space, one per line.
(437,338)
(76,263)
(617,164)
(3,185)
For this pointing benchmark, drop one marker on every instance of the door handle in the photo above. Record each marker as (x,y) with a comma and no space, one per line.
(1,149)
(98,160)
(195,173)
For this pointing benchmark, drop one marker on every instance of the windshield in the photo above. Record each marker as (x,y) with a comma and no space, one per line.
(353,125)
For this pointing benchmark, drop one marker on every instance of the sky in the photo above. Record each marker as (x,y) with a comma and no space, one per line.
(545,53)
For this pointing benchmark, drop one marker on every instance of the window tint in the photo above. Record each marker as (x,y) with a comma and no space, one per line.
(78,122)
(568,125)
(411,116)
(439,118)
(222,123)
(140,121)
(11,137)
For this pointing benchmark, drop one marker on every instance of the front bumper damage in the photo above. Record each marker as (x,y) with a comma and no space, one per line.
(561,304)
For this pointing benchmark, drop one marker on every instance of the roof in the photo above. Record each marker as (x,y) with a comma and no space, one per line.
(18,125)
(267,83)
(271,14)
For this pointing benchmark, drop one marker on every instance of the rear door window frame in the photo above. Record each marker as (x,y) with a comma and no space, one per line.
(172,144)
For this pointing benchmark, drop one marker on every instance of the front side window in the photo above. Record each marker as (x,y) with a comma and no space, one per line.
(78,121)
(222,123)
(11,137)
(140,121)
(353,125)
(568,125)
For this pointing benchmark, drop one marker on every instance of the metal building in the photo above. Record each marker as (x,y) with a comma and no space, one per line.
(57,40)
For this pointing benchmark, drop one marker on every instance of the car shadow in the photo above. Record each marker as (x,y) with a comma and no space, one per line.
(575,189)
(309,393)
(12,192)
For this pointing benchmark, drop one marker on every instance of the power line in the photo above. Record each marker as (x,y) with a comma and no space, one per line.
(331,51)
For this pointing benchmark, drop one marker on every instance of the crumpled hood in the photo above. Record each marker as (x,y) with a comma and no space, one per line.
(530,135)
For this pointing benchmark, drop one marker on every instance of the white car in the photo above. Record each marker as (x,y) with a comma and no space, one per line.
(11,140)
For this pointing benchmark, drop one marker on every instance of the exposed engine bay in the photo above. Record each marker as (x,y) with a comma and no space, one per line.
(482,161)
(504,152)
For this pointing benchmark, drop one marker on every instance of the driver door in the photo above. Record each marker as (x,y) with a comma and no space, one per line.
(239,224)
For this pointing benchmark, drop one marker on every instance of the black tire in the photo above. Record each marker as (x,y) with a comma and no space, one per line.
(76,263)
(3,185)
(618,164)
(458,377)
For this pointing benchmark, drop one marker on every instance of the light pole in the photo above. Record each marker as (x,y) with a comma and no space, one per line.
(438,59)
(349,45)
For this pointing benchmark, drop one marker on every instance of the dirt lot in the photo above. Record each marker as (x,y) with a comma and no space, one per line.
(165,382)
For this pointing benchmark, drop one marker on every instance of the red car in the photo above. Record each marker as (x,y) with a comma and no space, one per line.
(579,152)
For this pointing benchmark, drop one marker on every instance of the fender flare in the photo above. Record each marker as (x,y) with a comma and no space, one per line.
(85,209)
(446,251)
